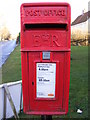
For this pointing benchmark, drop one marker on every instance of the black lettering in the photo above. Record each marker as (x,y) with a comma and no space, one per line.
(38,13)
(63,12)
(50,13)
(46,80)
(54,12)
(31,13)
(44,69)
(40,79)
(45,12)
(26,12)
(35,13)
(59,12)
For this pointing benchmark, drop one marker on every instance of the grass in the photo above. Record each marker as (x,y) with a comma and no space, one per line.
(78,94)
(11,70)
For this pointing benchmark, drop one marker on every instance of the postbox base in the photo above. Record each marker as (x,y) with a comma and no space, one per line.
(45,113)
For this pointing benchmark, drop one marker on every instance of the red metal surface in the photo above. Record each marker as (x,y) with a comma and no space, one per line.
(45,27)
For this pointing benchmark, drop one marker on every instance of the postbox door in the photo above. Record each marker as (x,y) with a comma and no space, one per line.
(53,98)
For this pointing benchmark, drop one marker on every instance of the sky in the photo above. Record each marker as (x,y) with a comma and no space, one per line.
(10,12)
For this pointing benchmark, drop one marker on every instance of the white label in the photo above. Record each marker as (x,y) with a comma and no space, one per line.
(46,75)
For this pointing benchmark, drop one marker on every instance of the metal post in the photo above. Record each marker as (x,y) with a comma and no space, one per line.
(5,103)
(46,117)
(49,117)
(21,99)
(43,117)
(11,102)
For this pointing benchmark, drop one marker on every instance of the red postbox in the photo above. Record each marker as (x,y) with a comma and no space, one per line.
(45,57)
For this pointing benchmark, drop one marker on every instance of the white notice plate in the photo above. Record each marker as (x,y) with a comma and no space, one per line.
(45,80)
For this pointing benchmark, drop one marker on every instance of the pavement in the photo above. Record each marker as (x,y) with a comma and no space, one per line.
(6,47)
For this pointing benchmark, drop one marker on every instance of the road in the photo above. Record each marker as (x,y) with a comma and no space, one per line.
(6,47)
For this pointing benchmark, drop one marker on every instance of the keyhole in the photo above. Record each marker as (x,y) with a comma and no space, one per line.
(32,83)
